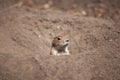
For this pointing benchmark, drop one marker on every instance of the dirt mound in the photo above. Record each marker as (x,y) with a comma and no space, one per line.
(25,39)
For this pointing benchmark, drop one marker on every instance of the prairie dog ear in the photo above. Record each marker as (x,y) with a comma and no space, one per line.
(61,37)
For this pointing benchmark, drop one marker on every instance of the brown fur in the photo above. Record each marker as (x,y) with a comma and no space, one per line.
(60,45)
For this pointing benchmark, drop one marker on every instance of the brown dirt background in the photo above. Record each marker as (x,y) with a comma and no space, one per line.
(27,29)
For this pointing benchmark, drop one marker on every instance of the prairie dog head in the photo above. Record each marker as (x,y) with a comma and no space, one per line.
(60,45)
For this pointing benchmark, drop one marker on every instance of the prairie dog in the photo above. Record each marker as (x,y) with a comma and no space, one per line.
(60,45)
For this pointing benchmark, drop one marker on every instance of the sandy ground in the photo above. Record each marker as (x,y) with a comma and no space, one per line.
(25,41)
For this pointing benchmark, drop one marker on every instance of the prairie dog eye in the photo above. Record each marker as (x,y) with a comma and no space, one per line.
(58,38)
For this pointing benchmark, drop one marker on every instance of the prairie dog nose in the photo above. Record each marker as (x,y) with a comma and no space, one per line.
(67,40)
